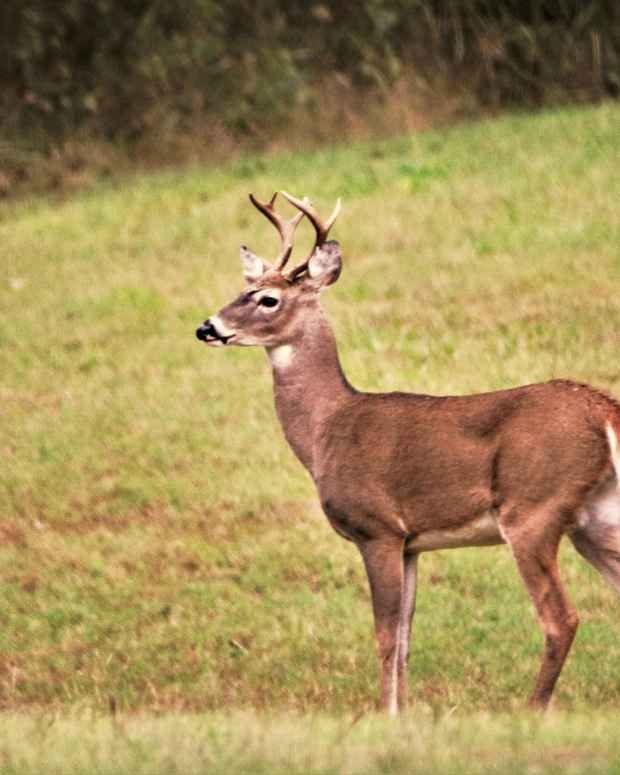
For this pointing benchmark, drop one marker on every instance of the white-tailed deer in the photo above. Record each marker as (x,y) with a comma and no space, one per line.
(403,473)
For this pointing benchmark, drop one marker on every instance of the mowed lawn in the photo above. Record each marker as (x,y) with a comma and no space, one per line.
(162,551)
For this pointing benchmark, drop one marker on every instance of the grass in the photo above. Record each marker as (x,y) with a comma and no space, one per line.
(162,551)
(311,745)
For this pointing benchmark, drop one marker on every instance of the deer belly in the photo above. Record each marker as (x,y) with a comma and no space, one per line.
(482,530)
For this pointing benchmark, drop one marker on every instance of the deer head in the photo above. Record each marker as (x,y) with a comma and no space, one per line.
(274,306)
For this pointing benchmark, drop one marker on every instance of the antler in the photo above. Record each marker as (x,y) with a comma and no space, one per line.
(321,227)
(286,229)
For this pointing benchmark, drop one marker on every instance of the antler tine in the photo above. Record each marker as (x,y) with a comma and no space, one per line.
(321,227)
(286,229)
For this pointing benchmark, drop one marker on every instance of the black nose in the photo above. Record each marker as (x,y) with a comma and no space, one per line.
(205,330)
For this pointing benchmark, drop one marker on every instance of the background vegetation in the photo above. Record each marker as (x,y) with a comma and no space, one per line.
(164,81)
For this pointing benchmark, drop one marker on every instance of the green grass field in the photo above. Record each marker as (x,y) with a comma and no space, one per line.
(162,552)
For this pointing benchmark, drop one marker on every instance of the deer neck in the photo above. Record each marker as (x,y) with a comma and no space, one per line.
(309,385)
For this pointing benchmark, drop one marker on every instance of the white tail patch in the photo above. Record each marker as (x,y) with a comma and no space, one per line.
(613,448)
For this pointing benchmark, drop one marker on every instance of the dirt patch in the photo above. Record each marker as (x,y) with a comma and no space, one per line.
(12,534)
(153,514)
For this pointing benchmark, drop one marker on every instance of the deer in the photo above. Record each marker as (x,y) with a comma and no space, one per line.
(400,474)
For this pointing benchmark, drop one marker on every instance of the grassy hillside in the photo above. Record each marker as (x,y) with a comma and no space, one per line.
(161,549)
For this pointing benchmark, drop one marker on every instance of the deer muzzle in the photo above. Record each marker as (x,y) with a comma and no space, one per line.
(208,332)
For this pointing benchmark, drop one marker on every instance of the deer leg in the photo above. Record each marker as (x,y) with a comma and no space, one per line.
(536,558)
(410,566)
(383,560)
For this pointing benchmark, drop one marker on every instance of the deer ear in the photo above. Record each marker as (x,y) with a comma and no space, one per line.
(325,265)
(253,266)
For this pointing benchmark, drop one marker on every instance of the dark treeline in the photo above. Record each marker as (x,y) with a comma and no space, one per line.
(123,68)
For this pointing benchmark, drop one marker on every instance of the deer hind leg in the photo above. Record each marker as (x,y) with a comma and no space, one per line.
(407,611)
(535,547)
(384,565)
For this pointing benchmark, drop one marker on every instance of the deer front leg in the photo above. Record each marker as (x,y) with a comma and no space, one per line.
(383,559)
(407,611)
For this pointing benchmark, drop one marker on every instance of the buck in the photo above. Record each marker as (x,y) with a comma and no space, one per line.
(399,474)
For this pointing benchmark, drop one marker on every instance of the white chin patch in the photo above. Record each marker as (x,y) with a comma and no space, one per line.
(281,356)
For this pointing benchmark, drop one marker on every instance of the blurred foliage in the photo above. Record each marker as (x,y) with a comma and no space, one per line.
(126,68)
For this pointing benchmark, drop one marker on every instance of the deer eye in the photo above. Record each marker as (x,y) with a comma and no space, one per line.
(268,301)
